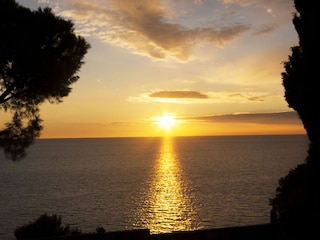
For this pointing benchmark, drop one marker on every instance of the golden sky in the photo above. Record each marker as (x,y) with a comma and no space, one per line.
(213,66)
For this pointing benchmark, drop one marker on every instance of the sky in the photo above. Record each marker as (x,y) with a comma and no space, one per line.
(176,67)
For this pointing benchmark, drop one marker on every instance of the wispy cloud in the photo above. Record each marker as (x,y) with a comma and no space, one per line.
(265,29)
(146,28)
(258,118)
(268,4)
(277,12)
(152,27)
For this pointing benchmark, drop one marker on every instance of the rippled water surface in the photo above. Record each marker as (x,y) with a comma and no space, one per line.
(163,184)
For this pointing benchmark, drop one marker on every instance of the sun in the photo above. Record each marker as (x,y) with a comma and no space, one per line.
(165,121)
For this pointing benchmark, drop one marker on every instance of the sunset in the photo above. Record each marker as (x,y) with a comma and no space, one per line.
(165,121)
(194,59)
(159,119)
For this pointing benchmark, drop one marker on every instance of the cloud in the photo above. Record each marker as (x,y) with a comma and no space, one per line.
(290,118)
(268,14)
(178,94)
(267,4)
(196,97)
(264,29)
(146,28)
(44,1)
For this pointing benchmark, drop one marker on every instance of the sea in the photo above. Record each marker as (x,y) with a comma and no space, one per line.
(163,184)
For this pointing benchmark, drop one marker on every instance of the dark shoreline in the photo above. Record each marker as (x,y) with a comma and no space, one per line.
(261,232)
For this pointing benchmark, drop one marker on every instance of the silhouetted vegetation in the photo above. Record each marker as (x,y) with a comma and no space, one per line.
(296,205)
(39,57)
(50,226)
(100,230)
(45,226)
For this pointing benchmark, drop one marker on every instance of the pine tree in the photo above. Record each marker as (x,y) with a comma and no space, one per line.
(39,58)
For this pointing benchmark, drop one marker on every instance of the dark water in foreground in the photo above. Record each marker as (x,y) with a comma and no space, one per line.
(164,184)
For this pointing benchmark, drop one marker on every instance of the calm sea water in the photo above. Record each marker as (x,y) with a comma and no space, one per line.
(164,184)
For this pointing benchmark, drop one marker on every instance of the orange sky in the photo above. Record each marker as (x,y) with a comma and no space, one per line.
(214,66)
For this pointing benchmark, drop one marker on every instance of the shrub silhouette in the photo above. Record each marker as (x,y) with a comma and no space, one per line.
(45,226)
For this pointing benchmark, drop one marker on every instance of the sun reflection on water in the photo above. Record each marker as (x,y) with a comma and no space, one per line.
(168,207)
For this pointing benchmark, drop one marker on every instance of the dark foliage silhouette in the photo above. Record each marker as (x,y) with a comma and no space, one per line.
(39,58)
(296,205)
(45,226)
(299,78)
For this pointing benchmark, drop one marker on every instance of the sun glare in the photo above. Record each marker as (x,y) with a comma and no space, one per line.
(165,121)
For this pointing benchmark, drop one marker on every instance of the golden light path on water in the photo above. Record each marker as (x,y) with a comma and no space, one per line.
(168,207)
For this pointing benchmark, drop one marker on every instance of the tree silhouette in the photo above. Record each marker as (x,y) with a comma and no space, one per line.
(299,80)
(296,205)
(39,57)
